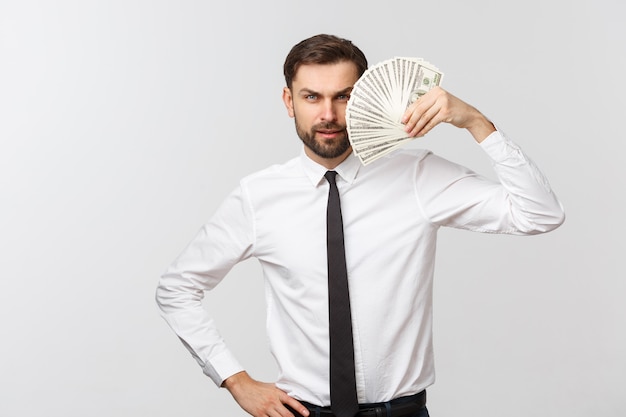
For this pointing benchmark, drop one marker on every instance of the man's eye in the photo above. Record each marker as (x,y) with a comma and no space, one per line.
(344,97)
(310,97)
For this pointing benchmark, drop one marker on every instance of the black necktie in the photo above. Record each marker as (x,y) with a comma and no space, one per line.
(343,396)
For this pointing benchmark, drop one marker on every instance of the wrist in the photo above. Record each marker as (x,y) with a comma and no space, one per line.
(480,128)
(235,380)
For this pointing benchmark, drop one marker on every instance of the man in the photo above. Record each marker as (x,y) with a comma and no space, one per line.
(391,211)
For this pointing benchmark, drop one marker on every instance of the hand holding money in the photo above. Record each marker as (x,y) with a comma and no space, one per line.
(378,101)
(439,106)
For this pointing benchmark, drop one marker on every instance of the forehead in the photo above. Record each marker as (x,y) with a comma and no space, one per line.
(326,77)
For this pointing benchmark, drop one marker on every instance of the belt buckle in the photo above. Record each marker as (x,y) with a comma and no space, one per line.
(379,411)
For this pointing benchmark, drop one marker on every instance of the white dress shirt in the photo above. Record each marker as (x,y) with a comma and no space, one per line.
(391,210)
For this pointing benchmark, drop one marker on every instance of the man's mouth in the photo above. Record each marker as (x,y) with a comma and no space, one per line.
(329,133)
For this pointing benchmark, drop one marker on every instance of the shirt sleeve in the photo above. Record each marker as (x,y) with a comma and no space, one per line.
(220,244)
(520,202)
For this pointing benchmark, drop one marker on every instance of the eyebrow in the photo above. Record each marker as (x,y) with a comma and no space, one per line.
(346,90)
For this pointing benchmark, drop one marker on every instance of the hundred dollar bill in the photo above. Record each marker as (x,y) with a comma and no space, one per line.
(379,99)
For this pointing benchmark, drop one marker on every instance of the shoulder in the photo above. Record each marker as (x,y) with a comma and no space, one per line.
(287,169)
(403,159)
(274,182)
(409,155)
(416,165)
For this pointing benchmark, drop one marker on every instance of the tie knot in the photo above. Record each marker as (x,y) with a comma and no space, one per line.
(330,176)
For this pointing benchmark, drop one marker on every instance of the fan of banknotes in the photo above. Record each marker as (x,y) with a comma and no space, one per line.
(378,101)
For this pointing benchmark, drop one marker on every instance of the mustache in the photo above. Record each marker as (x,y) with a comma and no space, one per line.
(328,126)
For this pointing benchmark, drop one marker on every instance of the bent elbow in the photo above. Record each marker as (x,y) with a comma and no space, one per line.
(548,222)
(161,297)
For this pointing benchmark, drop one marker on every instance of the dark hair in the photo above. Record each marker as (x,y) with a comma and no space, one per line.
(322,49)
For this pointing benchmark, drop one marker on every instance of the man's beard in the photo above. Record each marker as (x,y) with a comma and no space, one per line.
(325,149)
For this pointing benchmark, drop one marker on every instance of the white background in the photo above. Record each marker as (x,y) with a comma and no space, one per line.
(123,124)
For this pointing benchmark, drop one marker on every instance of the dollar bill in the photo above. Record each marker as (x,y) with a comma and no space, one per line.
(379,99)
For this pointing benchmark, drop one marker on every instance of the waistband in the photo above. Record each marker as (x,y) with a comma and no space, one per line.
(403,406)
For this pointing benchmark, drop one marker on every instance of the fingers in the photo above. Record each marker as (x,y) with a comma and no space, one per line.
(274,405)
(295,404)
(281,410)
(422,121)
(427,112)
(261,399)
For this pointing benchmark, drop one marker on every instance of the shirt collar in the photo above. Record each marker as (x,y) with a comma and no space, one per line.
(347,170)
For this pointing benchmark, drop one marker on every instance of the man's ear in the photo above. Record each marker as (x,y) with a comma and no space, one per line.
(288,100)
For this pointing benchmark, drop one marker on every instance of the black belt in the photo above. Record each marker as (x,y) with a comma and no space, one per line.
(404,406)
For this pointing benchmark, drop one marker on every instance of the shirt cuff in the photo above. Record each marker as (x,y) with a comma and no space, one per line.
(502,150)
(221,367)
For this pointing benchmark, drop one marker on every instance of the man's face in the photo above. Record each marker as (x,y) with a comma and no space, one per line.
(317,101)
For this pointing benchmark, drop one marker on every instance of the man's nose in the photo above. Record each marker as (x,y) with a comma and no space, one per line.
(329,111)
